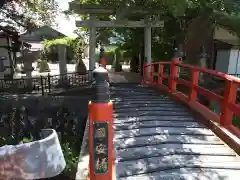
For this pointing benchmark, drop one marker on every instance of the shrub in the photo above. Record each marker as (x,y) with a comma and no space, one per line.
(74,48)
(71,157)
(43,66)
(110,57)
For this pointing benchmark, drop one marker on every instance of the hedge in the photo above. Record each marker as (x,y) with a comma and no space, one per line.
(74,48)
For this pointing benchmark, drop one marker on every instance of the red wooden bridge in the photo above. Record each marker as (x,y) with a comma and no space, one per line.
(162,131)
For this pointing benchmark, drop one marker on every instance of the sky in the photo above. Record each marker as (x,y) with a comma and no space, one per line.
(65,26)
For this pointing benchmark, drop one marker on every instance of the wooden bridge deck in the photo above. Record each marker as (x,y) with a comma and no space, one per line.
(157,139)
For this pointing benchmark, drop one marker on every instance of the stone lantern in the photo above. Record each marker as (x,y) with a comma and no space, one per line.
(27,67)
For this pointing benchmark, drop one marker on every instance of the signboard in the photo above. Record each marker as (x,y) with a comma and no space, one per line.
(100,147)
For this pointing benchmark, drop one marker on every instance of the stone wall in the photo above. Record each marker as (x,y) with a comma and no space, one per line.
(23,117)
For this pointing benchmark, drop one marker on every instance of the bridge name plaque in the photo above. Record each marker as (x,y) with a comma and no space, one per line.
(100,147)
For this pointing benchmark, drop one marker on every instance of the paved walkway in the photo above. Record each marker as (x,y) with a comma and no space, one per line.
(124,77)
(157,139)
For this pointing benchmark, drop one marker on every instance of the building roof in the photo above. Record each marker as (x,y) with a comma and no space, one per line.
(229,22)
(45,27)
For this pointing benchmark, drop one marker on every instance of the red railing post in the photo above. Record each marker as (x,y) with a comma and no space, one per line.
(173,74)
(230,94)
(193,92)
(152,73)
(101,149)
(160,73)
(144,74)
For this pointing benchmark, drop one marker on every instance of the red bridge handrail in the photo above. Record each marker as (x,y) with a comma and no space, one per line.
(227,102)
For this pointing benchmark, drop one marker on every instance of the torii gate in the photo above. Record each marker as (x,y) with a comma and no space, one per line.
(92,10)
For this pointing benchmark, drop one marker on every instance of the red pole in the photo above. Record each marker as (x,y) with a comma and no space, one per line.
(103,61)
(144,81)
(152,74)
(230,95)
(101,129)
(160,73)
(173,74)
(193,92)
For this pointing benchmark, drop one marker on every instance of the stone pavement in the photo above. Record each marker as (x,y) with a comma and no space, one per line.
(124,77)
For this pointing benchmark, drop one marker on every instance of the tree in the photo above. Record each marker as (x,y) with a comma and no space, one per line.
(28,14)
(176,15)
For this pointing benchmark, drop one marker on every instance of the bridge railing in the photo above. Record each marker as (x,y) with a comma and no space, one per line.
(185,82)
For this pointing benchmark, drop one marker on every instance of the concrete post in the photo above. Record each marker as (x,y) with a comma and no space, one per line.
(27,64)
(148,46)
(62,57)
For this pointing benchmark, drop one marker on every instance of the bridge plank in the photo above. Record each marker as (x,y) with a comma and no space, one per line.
(143,109)
(171,149)
(148,124)
(157,113)
(188,174)
(164,139)
(162,130)
(143,99)
(152,118)
(156,139)
(140,166)
(130,106)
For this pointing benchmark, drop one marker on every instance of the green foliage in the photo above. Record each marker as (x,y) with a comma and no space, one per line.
(26,140)
(28,13)
(71,158)
(77,46)
(110,56)
(236,121)
(74,47)
(176,16)
(67,41)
